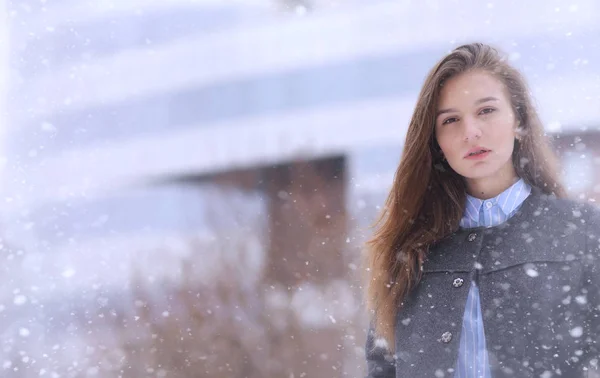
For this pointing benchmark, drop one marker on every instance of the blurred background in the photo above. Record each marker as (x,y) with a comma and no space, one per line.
(186,184)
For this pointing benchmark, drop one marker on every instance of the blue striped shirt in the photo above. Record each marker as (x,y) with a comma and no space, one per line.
(473,358)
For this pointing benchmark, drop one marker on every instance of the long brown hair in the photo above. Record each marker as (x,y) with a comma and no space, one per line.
(427,198)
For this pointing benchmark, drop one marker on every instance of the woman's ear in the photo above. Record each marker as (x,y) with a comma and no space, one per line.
(518,131)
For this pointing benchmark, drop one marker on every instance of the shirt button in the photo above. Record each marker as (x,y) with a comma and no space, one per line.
(458,282)
(489,204)
(446,337)
(472,237)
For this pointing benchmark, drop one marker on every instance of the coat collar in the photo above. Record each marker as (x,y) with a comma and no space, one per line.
(459,252)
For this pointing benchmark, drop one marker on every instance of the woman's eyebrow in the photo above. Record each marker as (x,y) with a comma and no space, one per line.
(478,102)
(442,111)
(486,99)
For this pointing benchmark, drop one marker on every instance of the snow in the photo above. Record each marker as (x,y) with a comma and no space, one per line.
(68,273)
(73,204)
(531,272)
(380,342)
(581,299)
(20,300)
(576,332)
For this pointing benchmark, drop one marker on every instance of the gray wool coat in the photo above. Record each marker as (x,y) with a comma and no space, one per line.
(539,281)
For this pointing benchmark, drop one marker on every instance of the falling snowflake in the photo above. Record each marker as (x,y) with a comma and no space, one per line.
(576,332)
(380,342)
(68,273)
(532,272)
(19,300)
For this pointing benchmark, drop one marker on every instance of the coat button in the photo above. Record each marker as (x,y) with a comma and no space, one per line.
(446,337)
(472,237)
(458,282)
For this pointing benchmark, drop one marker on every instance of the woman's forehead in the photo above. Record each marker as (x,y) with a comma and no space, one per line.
(468,88)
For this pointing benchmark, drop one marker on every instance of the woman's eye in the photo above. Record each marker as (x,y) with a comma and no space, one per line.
(487,111)
(449,120)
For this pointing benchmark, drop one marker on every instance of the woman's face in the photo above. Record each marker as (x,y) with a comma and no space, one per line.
(476,126)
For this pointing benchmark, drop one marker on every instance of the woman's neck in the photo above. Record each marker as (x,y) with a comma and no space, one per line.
(489,187)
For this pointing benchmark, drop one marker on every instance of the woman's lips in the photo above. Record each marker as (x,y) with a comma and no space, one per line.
(478,156)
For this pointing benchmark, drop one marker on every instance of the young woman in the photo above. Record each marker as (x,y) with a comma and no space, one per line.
(479,266)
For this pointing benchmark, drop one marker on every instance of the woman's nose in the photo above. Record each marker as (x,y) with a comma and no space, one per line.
(471,131)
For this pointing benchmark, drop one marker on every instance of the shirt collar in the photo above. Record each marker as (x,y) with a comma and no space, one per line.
(507,201)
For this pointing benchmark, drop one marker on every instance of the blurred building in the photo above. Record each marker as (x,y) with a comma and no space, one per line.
(127,118)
